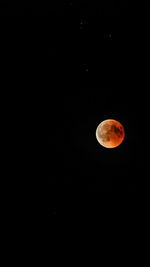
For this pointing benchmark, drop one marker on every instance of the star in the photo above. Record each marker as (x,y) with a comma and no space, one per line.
(84,67)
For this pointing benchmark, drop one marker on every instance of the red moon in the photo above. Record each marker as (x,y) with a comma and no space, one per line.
(110,133)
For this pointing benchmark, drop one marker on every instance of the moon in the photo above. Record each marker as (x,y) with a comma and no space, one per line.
(110,133)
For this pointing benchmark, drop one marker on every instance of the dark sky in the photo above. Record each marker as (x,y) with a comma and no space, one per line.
(95,68)
(98,61)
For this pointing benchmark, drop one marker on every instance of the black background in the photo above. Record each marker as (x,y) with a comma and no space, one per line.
(93,60)
(99,57)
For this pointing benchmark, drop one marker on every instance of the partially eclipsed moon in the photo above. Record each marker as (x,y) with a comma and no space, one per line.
(110,133)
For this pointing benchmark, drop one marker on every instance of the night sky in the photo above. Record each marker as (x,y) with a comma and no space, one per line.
(99,64)
(95,69)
